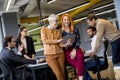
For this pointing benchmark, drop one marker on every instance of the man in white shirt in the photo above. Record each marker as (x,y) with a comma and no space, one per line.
(91,31)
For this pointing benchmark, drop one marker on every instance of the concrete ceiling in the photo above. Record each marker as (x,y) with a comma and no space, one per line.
(29,8)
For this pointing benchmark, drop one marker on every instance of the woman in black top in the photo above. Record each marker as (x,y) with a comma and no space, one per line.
(74,54)
(26,42)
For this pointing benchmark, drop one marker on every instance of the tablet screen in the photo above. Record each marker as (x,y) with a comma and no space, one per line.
(72,37)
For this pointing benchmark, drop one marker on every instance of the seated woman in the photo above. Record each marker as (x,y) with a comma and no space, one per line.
(73,53)
(26,42)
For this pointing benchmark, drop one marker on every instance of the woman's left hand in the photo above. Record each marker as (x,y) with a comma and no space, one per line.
(59,40)
(20,47)
(73,54)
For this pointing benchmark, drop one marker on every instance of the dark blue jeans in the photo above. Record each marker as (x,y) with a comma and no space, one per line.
(89,64)
(116,51)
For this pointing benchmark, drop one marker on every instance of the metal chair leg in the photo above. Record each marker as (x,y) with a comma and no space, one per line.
(98,69)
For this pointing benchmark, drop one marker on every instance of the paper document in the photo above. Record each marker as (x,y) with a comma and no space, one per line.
(72,37)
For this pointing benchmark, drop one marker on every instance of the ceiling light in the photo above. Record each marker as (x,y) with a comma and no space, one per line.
(103,6)
(72,9)
(50,1)
(108,11)
(68,10)
(80,19)
(8,5)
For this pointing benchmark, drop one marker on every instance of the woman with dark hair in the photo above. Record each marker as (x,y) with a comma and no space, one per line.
(73,53)
(26,42)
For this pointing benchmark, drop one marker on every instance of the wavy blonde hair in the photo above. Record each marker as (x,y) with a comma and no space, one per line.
(71,23)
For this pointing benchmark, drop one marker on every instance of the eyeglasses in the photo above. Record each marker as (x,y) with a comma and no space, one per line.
(54,20)
(24,30)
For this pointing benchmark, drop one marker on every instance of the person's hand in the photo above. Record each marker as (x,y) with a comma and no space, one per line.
(41,60)
(92,54)
(83,51)
(20,47)
(27,57)
(73,54)
(69,41)
(59,40)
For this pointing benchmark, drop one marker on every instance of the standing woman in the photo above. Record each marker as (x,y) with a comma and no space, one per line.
(73,53)
(51,38)
(26,42)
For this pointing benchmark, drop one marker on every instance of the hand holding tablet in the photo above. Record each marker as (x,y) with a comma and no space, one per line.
(68,39)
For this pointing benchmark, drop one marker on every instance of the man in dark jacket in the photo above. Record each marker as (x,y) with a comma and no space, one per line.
(11,58)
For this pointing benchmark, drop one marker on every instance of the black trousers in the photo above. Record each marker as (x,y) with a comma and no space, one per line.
(18,74)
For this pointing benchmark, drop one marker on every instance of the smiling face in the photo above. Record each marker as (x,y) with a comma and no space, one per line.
(66,21)
(54,23)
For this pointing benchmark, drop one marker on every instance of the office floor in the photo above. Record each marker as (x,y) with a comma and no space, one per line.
(107,74)
(72,76)
(71,73)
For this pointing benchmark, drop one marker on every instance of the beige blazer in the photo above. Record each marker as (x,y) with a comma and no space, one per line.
(49,38)
(105,29)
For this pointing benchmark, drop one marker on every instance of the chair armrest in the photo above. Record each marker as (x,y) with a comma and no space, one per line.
(24,65)
(100,57)
(85,57)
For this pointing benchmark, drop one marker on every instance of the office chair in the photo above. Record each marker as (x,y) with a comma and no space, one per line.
(70,67)
(7,72)
(98,67)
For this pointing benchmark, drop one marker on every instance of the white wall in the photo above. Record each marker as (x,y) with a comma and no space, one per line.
(85,41)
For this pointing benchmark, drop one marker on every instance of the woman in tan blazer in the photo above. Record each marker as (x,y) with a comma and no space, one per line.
(51,38)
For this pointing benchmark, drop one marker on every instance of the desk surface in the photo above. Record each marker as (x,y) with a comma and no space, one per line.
(39,64)
(34,67)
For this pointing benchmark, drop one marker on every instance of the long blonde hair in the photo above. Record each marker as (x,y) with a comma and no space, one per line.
(71,23)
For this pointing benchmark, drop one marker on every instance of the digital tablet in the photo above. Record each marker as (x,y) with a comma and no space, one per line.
(72,37)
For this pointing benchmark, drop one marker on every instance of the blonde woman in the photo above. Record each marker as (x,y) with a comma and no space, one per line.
(51,38)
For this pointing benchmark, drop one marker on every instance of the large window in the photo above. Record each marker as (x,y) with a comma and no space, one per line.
(37,39)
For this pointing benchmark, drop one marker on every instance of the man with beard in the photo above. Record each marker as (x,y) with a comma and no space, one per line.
(109,31)
(12,59)
(91,31)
